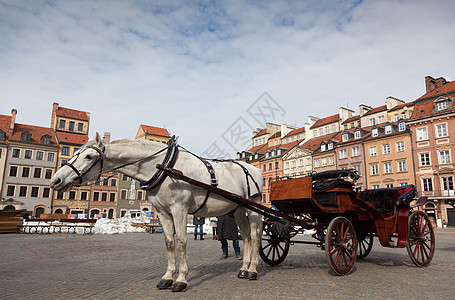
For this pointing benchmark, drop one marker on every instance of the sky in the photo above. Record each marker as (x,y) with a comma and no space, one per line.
(211,72)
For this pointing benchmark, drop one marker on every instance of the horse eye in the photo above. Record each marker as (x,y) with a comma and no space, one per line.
(88,157)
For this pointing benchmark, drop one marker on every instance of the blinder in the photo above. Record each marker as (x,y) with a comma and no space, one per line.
(76,156)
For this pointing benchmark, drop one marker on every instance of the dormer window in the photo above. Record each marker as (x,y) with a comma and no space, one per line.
(279,152)
(409,114)
(345,137)
(401,126)
(26,137)
(374,132)
(330,146)
(46,139)
(388,129)
(357,134)
(323,147)
(273,153)
(2,135)
(267,154)
(442,103)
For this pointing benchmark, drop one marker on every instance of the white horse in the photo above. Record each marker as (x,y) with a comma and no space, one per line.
(172,198)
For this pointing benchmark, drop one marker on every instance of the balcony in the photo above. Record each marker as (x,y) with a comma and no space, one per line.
(438,194)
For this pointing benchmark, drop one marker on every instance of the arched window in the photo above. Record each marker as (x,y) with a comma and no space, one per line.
(38,211)
(110,214)
(26,137)
(46,139)
(2,135)
(9,207)
(58,211)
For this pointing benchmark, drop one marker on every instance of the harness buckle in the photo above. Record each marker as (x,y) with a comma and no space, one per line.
(213,181)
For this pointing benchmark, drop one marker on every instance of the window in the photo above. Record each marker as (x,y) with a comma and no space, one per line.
(293,164)
(10,190)
(324,162)
(444,157)
(425,159)
(320,132)
(104,197)
(63,162)
(422,134)
(357,134)
(322,147)
(355,151)
(71,126)
(25,172)
(447,183)
(326,129)
(83,195)
(277,165)
(35,192)
(46,192)
(372,121)
(381,119)
(441,130)
(113,182)
(427,184)
(401,126)
(286,165)
(13,171)
(60,195)
(105,182)
(50,156)
(400,146)
(403,184)
(37,173)
(112,197)
(345,137)
(26,137)
(96,196)
(39,155)
(374,170)
(270,166)
(2,135)
(330,146)
(333,128)
(28,154)
(139,195)
(65,150)
(387,168)
(46,139)
(62,124)
(316,163)
(16,153)
(389,185)
(80,126)
(72,195)
(388,129)
(375,186)
(386,149)
(264,168)
(373,151)
(374,132)
(409,114)
(301,162)
(343,153)
(441,105)
(315,133)
(23,191)
(395,118)
(331,161)
(402,166)
(123,194)
(48,174)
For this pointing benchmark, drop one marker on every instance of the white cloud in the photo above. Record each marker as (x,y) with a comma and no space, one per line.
(195,68)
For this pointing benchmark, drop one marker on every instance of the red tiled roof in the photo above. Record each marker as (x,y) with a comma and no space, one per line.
(72,113)
(72,138)
(376,110)
(449,87)
(315,143)
(37,133)
(5,122)
(402,105)
(351,119)
(263,131)
(295,131)
(275,135)
(155,130)
(325,121)
(257,148)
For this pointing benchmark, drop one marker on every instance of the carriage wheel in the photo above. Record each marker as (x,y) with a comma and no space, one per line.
(341,245)
(364,245)
(273,249)
(421,241)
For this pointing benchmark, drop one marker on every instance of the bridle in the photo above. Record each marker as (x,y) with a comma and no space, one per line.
(76,156)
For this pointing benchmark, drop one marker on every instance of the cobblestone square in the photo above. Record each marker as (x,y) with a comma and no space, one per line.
(128,266)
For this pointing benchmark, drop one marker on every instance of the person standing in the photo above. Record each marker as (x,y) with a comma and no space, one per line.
(214,224)
(198,222)
(227,230)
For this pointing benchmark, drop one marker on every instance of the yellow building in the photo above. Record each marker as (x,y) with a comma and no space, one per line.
(153,133)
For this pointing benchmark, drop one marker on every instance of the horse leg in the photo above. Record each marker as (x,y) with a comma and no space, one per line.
(242,222)
(256,236)
(180,223)
(168,230)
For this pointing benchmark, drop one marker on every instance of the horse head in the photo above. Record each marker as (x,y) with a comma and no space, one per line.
(85,165)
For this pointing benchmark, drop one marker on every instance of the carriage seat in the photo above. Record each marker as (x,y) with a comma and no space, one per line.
(384,200)
(322,193)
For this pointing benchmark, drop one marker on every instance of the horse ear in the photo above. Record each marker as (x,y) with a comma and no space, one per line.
(98,139)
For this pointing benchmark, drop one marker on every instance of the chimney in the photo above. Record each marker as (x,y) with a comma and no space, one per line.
(107,138)
(391,102)
(54,115)
(432,84)
(345,113)
(363,109)
(13,119)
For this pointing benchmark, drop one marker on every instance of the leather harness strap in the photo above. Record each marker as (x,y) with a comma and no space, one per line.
(213,182)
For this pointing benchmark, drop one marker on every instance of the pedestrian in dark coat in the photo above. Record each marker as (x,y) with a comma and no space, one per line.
(228,230)
(198,221)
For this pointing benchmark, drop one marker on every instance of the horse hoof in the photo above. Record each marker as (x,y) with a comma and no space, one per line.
(252,276)
(242,274)
(179,286)
(164,284)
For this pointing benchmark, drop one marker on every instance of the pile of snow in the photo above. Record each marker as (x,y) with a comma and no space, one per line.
(120,225)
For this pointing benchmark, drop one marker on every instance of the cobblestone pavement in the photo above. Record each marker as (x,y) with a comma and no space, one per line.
(128,266)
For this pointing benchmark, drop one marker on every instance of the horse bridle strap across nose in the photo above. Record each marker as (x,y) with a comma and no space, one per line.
(100,158)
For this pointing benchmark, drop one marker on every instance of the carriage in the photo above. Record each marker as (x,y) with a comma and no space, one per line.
(344,221)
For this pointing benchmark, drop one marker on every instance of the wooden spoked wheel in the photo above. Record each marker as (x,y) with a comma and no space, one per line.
(421,243)
(341,246)
(274,249)
(364,245)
